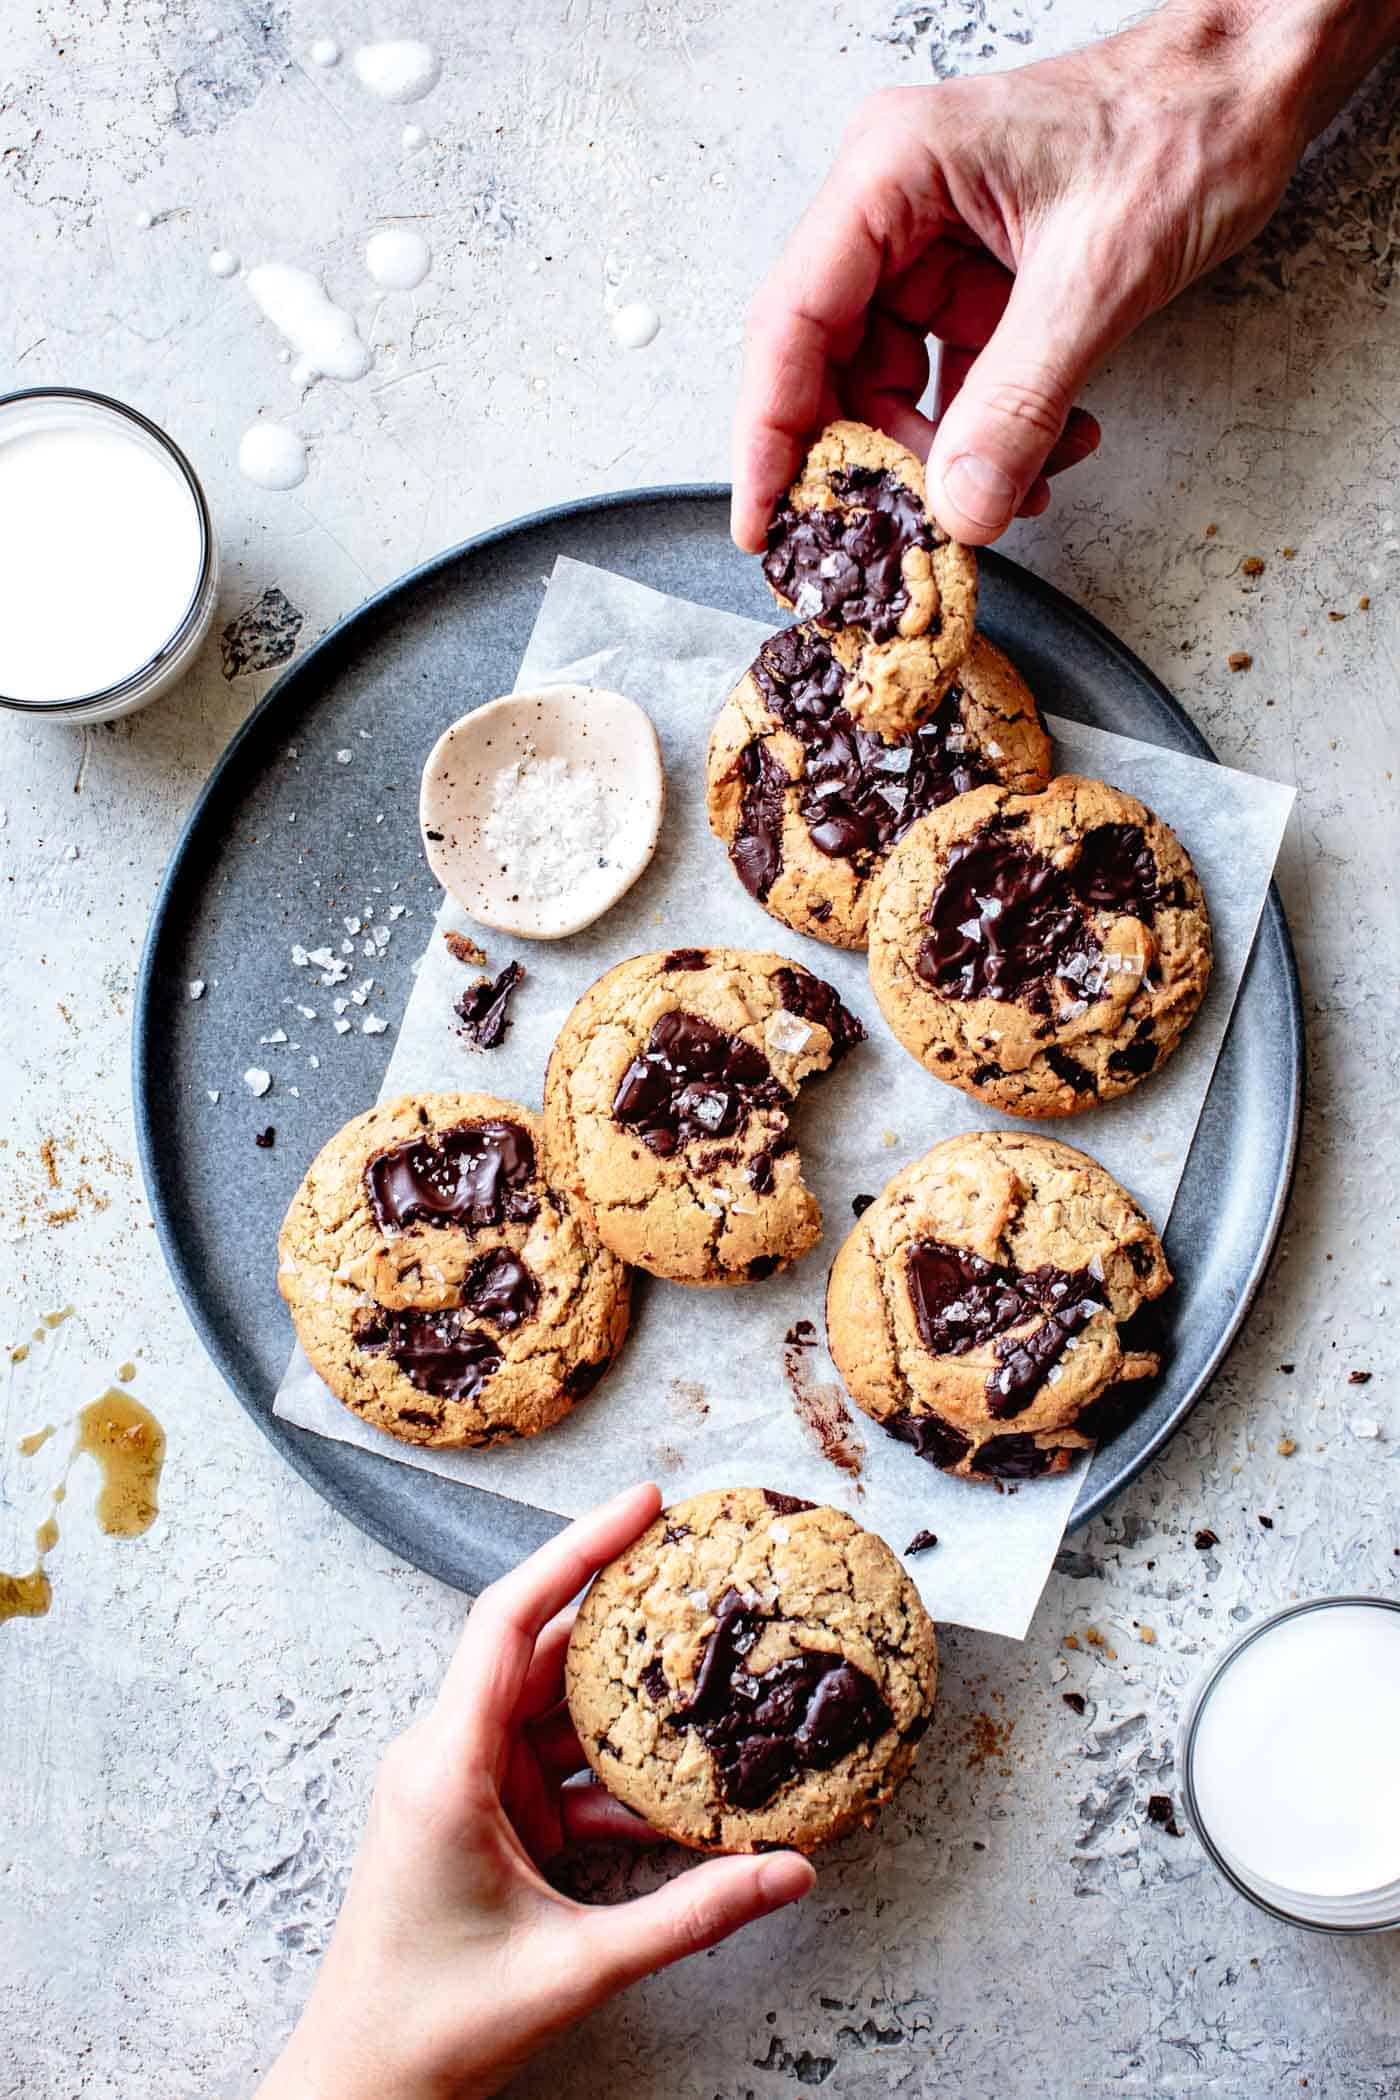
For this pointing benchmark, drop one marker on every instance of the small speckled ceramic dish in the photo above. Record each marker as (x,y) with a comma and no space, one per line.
(522,858)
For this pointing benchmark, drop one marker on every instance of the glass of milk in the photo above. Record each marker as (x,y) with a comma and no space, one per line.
(108,564)
(1290,1764)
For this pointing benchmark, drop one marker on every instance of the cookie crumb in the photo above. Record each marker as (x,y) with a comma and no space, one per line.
(1363,604)
(463,950)
(1288,1369)
(1238,660)
(1161,1812)
(1211,531)
(922,1542)
(484,1008)
(1287,1445)
(1252,565)
(1358,1378)
(1075,1701)
(1148,1636)
(266,1139)
(1289,553)
(1267,1523)
(1335,615)
(889,1139)
(1206,1538)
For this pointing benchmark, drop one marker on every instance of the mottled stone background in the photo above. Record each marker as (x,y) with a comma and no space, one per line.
(186,1743)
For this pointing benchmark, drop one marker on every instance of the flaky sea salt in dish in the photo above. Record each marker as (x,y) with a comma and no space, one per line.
(540,810)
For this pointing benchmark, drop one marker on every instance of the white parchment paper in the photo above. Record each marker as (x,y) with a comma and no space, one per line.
(702,1395)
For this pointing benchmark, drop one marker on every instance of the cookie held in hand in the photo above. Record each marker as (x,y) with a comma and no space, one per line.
(442,1286)
(667,1106)
(991,1298)
(754,1671)
(809,802)
(1043,952)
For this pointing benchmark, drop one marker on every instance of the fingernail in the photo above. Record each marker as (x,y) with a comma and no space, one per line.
(981,490)
(785,1878)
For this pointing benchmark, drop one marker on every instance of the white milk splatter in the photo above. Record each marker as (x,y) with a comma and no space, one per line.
(224,263)
(322,333)
(145,220)
(414,136)
(636,324)
(403,70)
(272,456)
(325,52)
(398,259)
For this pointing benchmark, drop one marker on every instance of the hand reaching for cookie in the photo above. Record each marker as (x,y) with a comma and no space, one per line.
(1028,221)
(454,1959)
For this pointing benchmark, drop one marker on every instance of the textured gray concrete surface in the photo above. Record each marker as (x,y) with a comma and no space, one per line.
(187,1740)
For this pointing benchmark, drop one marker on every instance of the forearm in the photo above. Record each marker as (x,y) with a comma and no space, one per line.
(1305,56)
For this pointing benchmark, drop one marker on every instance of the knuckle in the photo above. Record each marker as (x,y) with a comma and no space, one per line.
(1041,408)
(696,1925)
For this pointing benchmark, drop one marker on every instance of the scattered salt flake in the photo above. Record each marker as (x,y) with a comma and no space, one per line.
(1364,1426)
(322,957)
(296,1090)
(364,733)
(787,1034)
(396,911)
(196,988)
(373,1025)
(213,1092)
(351,925)
(347,947)
(342,1028)
(300,955)
(278,1035)
(70,853)
(257,1081)
(340,1004)
(343,758)
(308,1013)
(314,1062)
(335,972)
(369,949)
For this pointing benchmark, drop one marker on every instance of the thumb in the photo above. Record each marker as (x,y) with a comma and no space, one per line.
(695,1911)
(1000,427)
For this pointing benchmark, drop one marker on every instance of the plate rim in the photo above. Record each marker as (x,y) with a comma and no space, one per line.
(295,1444)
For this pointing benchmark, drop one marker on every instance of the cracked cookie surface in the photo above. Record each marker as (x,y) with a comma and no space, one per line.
(440,1285)
(990,1298)
(853,544)
(667,1106)
(1043,952)
(809,803)
(754,1671)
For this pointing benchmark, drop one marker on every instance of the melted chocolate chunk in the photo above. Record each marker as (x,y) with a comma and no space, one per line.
(484,1008)
(757,851)
(686,959)
(1015,1457)
(1116,872)
(762,1267)
(785,1505)
(803,1714)
(844,565)
(813,999)
(859,794)
(760,1172)
(473,1175)
(652,1679)
(693,1081)
(933,1438)
(1137,1057)
(1070,1070)
(1003,922)
(434,1350)
(961,1301)
(582,1378)
(499,1287)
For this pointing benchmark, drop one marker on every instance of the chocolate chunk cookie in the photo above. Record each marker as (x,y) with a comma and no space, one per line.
(1043,952)
(809,802)
(667,1107)
(754,1671)
(442,1287)
(990,1298)
(852,544)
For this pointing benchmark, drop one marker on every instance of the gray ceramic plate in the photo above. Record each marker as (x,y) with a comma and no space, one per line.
(239,890)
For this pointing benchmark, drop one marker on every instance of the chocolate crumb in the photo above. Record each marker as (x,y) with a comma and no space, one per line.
(1358,1378)
(1211,531)
(463,950)
(1238,660)
(484,1008)
(1161,1812)
(922,1541)
(1267,1522)
(1287,1445)
(1335,616)
(860,1205)
(1075,1701)
(1205,1539)
(1251,566)
(1288,1369)
(266,1139)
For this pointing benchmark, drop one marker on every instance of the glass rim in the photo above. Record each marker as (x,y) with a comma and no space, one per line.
(1253,1893)
(126,687)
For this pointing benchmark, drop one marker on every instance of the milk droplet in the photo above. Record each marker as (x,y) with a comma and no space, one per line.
(223,263)
(635,325)
(398,259)
(402,70)
(144,220)
(325,52)
(414,136)
(321,332)
(272,456)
